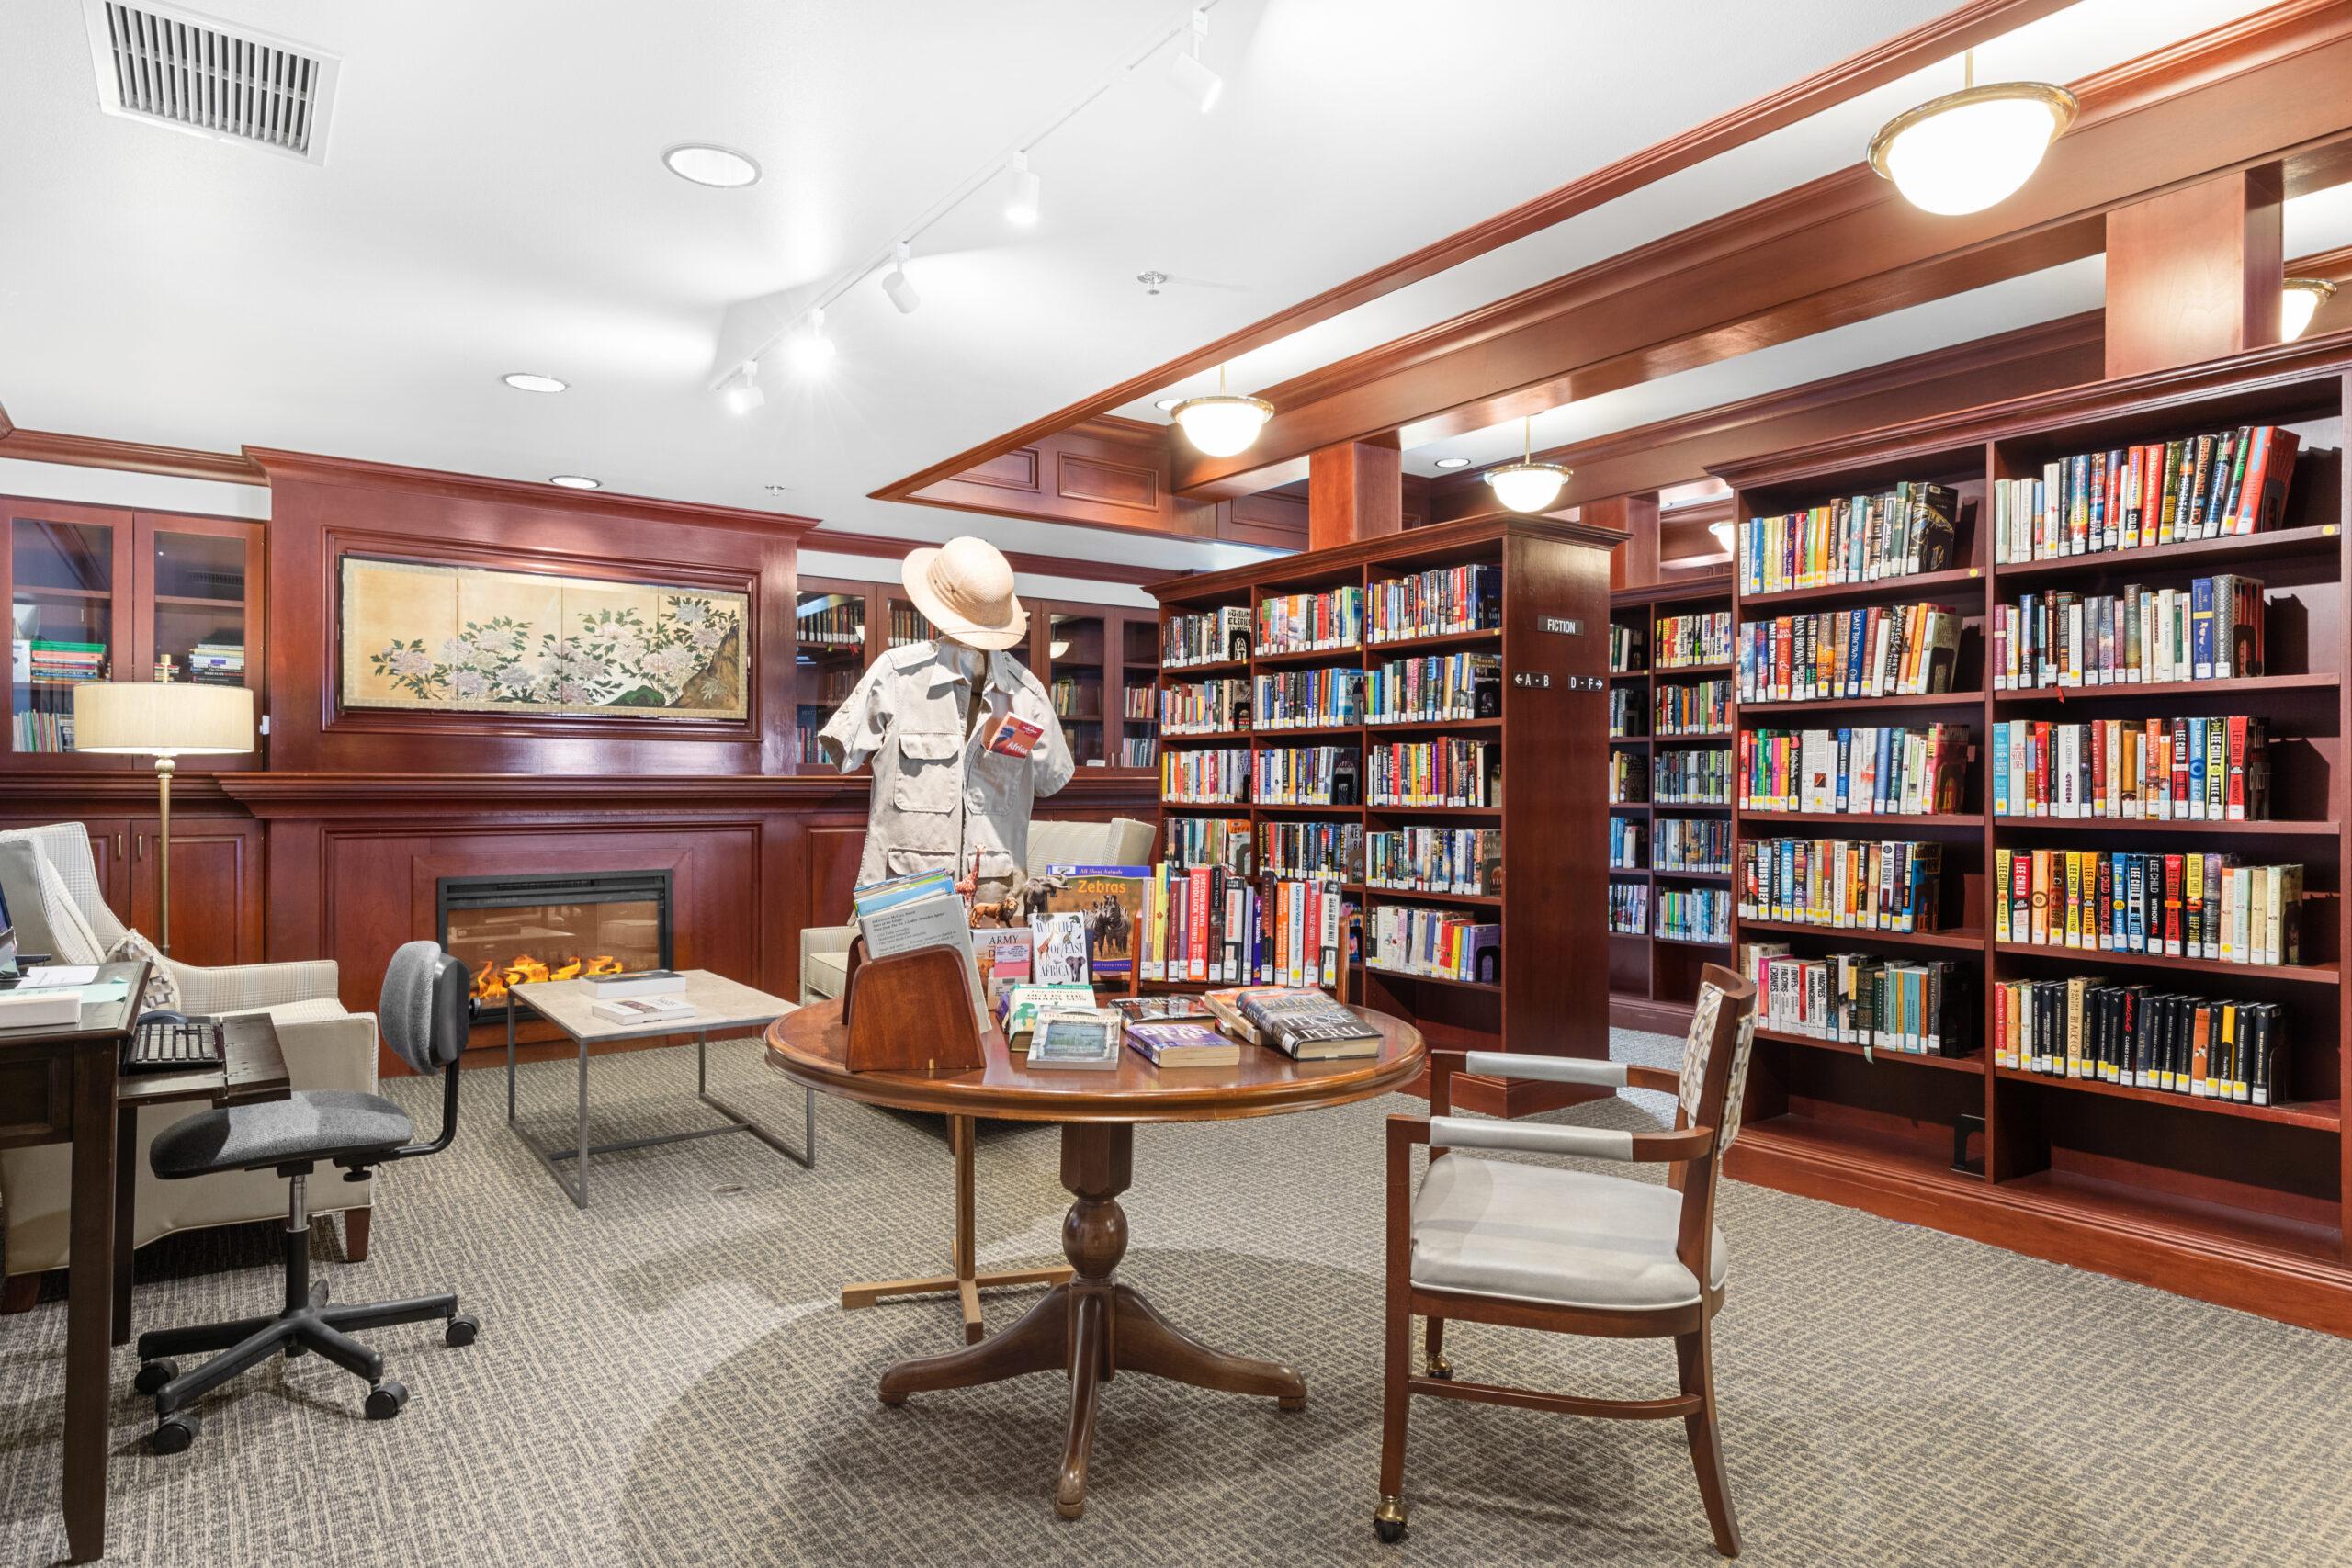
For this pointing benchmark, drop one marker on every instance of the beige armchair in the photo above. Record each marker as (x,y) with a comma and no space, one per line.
(325,1046)
(1122,841)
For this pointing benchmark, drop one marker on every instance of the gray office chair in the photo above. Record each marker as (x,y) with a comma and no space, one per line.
(424,1015)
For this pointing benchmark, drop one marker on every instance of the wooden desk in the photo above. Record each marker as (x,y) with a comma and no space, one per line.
(61,1084)
(1092,1326)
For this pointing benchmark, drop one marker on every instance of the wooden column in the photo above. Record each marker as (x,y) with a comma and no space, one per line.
(2194,274)
(1354,491)
(1633,564)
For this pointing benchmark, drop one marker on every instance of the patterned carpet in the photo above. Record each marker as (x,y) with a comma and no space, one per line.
(666,1379)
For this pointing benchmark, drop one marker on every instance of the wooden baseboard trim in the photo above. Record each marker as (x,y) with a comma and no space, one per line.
(1649,1017)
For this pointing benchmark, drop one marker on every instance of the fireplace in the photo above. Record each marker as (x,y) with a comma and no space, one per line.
(553,926)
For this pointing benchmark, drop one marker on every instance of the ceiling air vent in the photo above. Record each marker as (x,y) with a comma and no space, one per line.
(201,75)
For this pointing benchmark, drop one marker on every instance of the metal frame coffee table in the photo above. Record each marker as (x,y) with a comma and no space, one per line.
(720,1004)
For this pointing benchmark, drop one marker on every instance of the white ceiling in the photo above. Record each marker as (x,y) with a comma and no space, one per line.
(491,200)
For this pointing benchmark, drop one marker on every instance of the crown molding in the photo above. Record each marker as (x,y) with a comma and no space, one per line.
(312,468)
(131,457)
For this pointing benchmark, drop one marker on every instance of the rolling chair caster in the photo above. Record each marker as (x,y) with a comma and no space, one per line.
(174,1434)
(462,1330)
(154,1375)
(1389,1521)
(386,1400)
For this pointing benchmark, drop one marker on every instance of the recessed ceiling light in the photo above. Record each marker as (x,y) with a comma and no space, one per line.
(708,166)
(1453,462)
(532,381)
(576,481)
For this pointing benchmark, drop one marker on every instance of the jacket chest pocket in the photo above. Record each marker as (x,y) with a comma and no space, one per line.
(927,770)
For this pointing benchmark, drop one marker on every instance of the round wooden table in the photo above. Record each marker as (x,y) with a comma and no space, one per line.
(1092,1326)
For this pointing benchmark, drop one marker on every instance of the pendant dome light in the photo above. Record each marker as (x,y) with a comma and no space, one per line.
(1967,150)
(1528,485)
(1223,423)
(2302,301)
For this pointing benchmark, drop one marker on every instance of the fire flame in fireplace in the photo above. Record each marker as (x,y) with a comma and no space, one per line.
(492,980)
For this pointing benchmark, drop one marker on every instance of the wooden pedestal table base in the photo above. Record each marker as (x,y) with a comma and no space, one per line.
(966,1283)
(1092,1327)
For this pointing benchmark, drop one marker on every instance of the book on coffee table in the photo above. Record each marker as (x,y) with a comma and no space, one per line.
(1180,1044)
(1085,1038)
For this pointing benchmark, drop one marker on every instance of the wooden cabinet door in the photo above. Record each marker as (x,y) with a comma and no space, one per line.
(216,887)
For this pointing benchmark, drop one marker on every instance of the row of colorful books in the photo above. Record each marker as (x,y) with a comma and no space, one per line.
(1694,914)
(48,659)
(1077,698)
(908,625)
(1308,699)
(1209,637)
(1435,860)
(1449,770)
(1699,775)
(1891,885)
(1624,649)
(835,626)
(1700,638)
(1459,686)
(1215,707)
(1437,603)
(1315,850)
(1138,752)
(1405,939)
(2180,769)
(40,731)
(1206,924)
(1691,843)
(1700,707)
(1306,775)
(2213,629)
(2162,493)
(2171,906)
(1865,771)
(1626,715)
(1214,777)
(1139,702)
(2143,1037)
(1898,533)
(215,663)
(1629,908)
(1294,623)
(1913,1008)
(1629,779)
(1626,837)
(1210,841)
(1884,650)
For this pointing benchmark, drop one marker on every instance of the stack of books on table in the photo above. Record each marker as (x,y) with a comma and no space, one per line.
(639,996)
(1300,1021)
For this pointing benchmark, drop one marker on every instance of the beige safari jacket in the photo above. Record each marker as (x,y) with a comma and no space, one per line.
(938,795)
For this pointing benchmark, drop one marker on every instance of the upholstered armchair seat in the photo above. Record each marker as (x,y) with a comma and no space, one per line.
(1495,1227)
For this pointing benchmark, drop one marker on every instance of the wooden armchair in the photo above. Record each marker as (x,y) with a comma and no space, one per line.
(1536,1246)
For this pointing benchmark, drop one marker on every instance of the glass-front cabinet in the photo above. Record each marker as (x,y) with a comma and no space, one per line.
(1078,655)
(96,593)
(1138,733)
(830,623)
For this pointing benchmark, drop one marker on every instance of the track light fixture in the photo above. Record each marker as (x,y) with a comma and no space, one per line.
(741,389)
(896,284)
(1528,485)
(1021,203)
(1193,78)
(812,350)
(1967,150)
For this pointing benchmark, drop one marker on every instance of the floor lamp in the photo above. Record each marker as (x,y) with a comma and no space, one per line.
(158,719)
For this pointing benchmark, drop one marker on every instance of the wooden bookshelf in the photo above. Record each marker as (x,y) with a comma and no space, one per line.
(1553,571)
(1654,979)
(2235,1203)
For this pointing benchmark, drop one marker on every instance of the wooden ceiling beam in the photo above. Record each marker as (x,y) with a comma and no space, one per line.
(2267,87)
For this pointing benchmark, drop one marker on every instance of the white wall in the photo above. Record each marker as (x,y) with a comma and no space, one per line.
(818,562)
(112,486)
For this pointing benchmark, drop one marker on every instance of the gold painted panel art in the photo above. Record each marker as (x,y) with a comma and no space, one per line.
(478,639)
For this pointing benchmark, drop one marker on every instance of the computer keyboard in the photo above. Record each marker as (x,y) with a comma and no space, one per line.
(173,1046)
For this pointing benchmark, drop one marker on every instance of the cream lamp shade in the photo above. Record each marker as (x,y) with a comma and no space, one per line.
(155,719)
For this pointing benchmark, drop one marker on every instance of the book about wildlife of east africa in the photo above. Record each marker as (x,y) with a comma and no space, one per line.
(1111,900)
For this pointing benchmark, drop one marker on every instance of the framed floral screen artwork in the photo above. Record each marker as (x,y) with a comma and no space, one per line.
(480,640)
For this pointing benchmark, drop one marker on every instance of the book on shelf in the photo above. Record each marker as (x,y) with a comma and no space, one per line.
(1879,651)
(1871,770)
(1692,708)
(1699,775)
(1138,751)
(1018,1006)
(1691,843)
(2141,1037)
(1629,779)
(1300,1021)
(1306,775)
(2213,768)
(1840,883)
(1902,532)
(1694,914)
(40,731)
(1307,699)
(1919,1009)
(1209,776)
(1625,715)
(1139,703)
(839,625)
(1297,623)
(1467,860)
(1209,637)
(1441,602)
(1703,637)
(1211,841)
(1320,851)
(1625,837)
(2223,482)
(1626,650)
(1167,1042)
(1629,908)
(1109,901)
(1441,943)
(910,625)
(2169,906)
(1084,1039)
(1069,698)
(1206,924)
(1434,687)
(1215,707)
(1448,772)
(2213,628)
